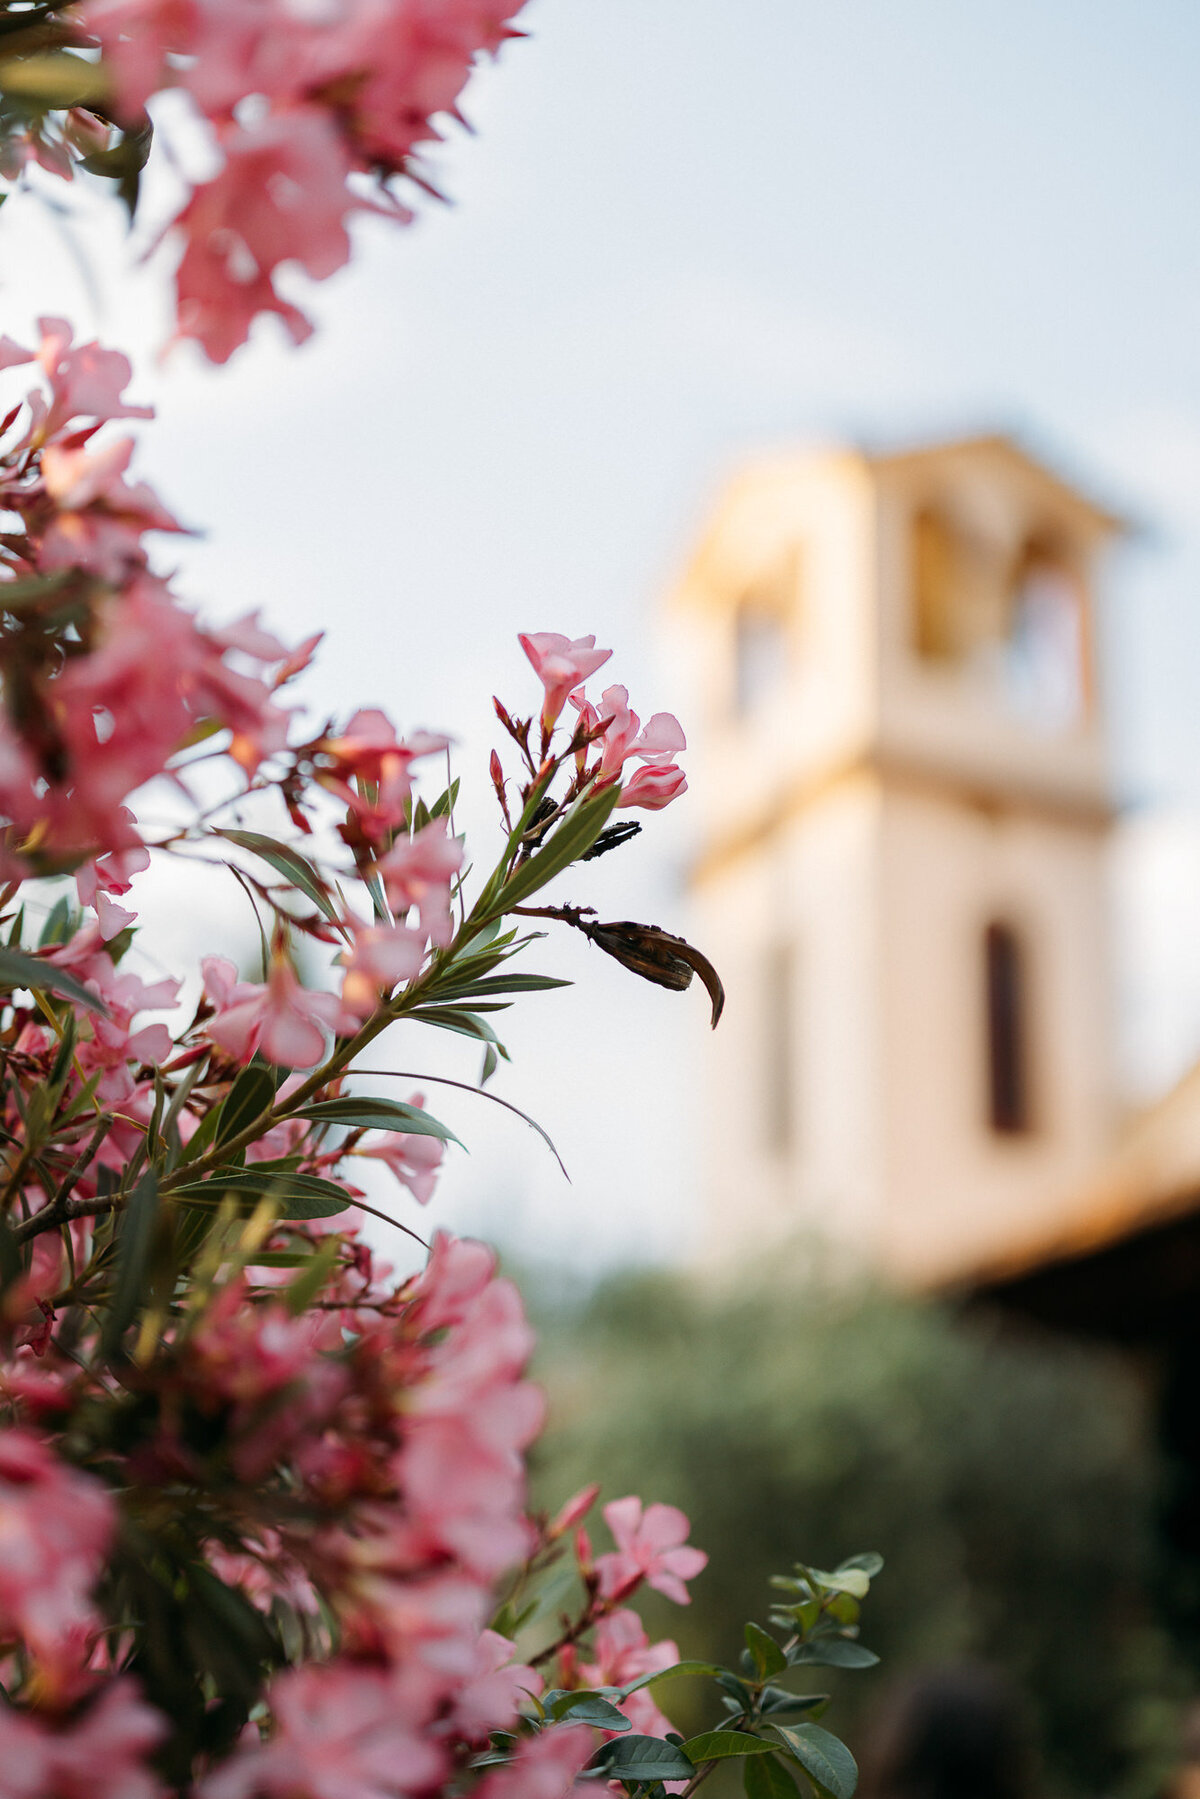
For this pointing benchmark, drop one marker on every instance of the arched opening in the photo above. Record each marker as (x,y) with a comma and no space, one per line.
(935,584)
(764,628)
(1007,1016)
(1045,671)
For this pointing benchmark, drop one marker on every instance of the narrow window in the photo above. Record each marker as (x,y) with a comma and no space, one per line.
(1007,1030)
(934,583)
(763,630)
(778,1047)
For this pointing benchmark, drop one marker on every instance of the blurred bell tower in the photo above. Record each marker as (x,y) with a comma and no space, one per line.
(904,804)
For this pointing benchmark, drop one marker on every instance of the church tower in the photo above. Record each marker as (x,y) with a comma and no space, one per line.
(900,768)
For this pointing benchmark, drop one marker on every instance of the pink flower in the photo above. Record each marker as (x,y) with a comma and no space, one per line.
(101,1755)
(544,1767)
(285,1022)
(99,519)
(651,1546)
(494,1690)
(340,1733)
(413,1159)
(624,737)
(381,957)
(369,752)
(623,1654)
(653,788)
(280,197)
(85,382)
(576,1508)
(55,1528)
(560,665)
(417,871)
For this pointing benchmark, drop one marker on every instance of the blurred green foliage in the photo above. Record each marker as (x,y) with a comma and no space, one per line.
(1009,1480)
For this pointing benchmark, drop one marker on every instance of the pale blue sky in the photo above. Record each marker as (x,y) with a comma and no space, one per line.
(686,231)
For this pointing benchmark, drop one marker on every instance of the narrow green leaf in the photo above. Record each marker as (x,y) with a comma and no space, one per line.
(368,1113)
(832,1652)
(824,1758)
(577,833)
(11,1262)
(297,1195)
(56,80)
(768,1656)
(675,1672)
(457,1018)
(289,863)
(719,1745)
(135,1242)
(301,1292)
(252,1094)
(19,970)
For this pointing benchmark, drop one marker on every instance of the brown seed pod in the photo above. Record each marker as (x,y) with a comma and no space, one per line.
(658,956)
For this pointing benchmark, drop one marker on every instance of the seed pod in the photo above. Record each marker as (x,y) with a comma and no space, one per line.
(658,956)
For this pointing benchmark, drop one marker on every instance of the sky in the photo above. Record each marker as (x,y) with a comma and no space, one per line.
(682,233)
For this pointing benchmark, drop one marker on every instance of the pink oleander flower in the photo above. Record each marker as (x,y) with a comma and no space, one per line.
(86,382)
(284,1021)
(571,1513)
(413,1159)
(653,788)
(651,1546)
(623,1653)
(340,1732)
(544,1767)
(494,1690)
(624,736)
(417,871)
(368,751)
(56,1525)
(100,1755)
(380,958)
(560,665)
(99,520)
(280,197)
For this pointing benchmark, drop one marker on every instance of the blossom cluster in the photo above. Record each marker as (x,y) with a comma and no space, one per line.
(357,1478)
(309,111)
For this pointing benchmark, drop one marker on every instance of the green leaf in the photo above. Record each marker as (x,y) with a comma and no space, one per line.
(590,1708)
(301,1292)
(135,1243)
(466,1023)
(768,1656)
(289,863)
(490,985)
(781,1704)
(56,80)
(372,1114)
(718,1745)
(252,1094)
(674,1672)
(19,970)
(824,1758)
(577,833)
(766,1778)
(11,1263)
(855,1581)
(832,1652)
(641,1758)
(870,1562)
(298,1195)
(16,595)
